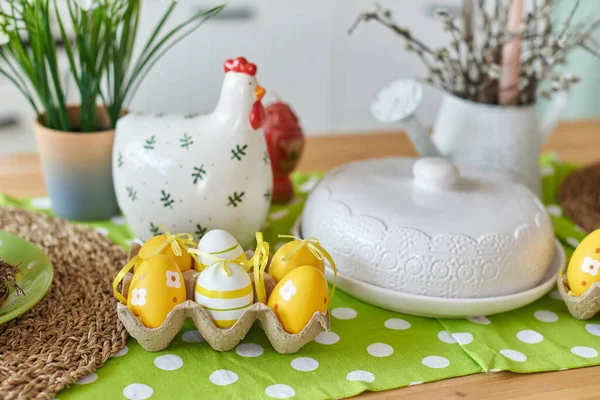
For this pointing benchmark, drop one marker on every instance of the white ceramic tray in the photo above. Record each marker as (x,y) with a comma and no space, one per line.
(439,307)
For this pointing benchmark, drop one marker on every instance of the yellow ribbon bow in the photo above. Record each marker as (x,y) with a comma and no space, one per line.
(314,246)
(260,260)
(245,264)
(177,241)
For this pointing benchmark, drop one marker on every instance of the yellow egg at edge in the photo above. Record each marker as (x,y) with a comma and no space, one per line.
(295,299)
(156,288)
(279,268)
(184,261)
(578,271)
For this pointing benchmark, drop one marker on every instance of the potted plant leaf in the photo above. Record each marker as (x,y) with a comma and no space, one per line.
(75,140)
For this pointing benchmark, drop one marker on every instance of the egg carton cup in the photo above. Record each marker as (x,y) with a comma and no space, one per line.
(581,307)
(157,339)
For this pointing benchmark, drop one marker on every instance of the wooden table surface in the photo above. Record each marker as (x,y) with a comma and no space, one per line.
(21,176)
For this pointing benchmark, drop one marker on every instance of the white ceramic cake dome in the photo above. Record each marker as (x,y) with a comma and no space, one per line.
(429,228)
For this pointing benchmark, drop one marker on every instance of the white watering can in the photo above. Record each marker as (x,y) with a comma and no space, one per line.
(504,139)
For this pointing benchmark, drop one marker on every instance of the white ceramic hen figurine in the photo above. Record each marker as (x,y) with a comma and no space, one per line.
(195,173)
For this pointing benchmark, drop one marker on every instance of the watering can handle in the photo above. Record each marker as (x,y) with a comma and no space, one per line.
(553,115)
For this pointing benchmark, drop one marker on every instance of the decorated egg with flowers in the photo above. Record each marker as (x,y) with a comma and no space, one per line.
(584,265)
(297,296)
(163,242)
(156,288)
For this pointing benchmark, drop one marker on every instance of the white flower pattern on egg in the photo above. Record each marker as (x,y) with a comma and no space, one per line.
(287,290)
(138,297)
(590,266)
(173,280)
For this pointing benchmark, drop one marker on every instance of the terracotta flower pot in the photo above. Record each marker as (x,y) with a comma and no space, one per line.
(77,168)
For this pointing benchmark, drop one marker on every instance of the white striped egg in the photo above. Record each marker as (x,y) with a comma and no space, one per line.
(220,244)
(225,298)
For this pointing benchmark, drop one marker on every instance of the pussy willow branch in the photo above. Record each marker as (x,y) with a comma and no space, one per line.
(469,66)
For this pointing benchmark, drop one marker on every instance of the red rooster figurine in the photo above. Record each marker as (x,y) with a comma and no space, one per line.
(285,141)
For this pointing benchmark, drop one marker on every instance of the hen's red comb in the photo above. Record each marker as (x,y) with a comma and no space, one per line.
(240,64)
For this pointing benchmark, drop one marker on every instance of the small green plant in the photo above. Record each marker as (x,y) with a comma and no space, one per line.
(99,54)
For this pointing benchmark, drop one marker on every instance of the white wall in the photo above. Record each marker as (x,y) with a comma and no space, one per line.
(303,53)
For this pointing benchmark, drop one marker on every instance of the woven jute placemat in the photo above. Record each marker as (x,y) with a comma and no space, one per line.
(74,329)
(579,196)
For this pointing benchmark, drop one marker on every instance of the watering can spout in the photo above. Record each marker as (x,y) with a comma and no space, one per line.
(559,103)
(397,102)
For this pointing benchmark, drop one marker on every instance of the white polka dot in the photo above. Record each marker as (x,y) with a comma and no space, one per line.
(594,329)
(362,376)
(31,265)
(223,377)
(563,369)
(137,391)
(463,337)
(415,383)
(122,352)
(529,336)
(580,229)
(43,203)
(380,350)
(553,156)
(554,209)
(249,350)
(555,295)
(168,362)
(514,355)
(344,313)
(445,337)
(192,336)
(308,185)
(327,338)
(585,352)
(547,170)
(102,231)
(435,362)
(276,215)
(93,377)
(1,242)
(397,324)
(545,316)
(280,391)
(573,242)
(480,320)
(305,364)
(118,220)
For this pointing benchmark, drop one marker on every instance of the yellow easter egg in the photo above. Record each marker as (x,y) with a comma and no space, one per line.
(584,266)
(224,297)
(156,288)
(219,244)
(303,256)
(301,293)
(184,261)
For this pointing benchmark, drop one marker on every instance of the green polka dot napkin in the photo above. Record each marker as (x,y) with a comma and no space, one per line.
(368,348)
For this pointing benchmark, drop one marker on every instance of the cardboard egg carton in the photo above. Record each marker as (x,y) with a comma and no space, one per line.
(157,339)
(581,307)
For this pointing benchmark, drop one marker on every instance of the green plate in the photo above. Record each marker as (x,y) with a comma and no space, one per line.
(35,276)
